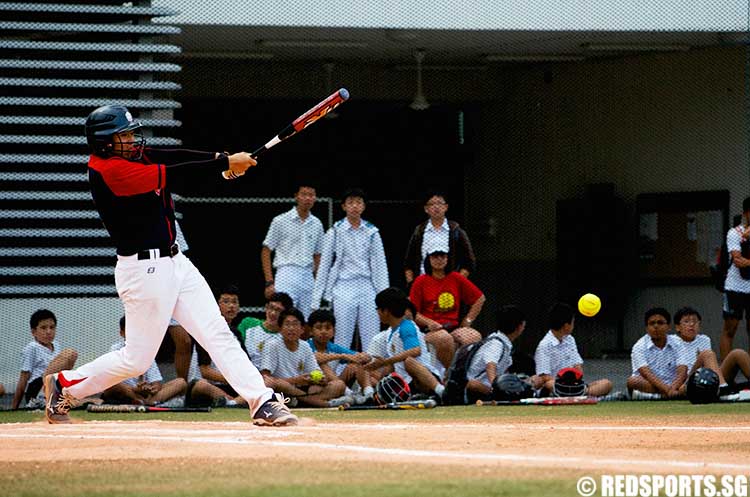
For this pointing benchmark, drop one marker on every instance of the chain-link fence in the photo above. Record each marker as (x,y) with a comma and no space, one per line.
(603,151)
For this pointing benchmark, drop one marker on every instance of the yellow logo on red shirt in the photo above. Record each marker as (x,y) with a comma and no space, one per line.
(446,301)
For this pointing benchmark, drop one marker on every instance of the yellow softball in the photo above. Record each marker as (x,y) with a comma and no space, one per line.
(316,376)
(589,305)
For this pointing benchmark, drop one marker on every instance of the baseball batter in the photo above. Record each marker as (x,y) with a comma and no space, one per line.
(129,185)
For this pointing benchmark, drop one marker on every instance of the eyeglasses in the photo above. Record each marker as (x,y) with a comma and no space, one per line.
(274,308)
(229,301)
(658,322)
(689,322)
(435,204)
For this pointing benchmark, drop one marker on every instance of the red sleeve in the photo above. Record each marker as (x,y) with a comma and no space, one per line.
(415,294)
(470,293)
(127,178)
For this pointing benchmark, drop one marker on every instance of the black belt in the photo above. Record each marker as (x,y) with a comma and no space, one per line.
(163,252)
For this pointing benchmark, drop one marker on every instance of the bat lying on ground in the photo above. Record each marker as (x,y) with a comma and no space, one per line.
(547,401)
(321,109)
(407,405)
(132,408)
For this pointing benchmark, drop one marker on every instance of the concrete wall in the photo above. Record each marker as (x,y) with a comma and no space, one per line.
(656,123)
(88,325)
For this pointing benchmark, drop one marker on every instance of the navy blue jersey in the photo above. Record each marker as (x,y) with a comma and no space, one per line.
(133,199)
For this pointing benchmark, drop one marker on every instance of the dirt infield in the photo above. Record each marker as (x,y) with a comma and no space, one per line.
(513,443)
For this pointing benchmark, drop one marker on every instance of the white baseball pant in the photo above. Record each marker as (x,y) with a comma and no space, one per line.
(354,304)
(152,291)
(297,282)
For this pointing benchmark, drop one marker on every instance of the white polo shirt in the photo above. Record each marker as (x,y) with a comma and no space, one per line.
(434,239)
(662,362)
(378,344)
(293,239)
(552,354)
(283,363)
(698,345)
(497,349)
(35,358)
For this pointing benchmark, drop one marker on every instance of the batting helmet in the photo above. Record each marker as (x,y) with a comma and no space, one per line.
(391,388)
(569,383)
(104,123)
(703,386)
(510,387)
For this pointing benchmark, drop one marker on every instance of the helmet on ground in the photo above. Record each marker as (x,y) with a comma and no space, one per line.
(103,126)
(703,386)
(569,383)
(391,388)
(509,387)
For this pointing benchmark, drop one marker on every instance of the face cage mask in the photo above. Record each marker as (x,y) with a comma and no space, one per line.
(134,150)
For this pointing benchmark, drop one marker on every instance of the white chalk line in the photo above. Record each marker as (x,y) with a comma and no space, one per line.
(245,427)
(424,455)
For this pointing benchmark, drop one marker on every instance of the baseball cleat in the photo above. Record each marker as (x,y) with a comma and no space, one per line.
(58,401)
(274,412)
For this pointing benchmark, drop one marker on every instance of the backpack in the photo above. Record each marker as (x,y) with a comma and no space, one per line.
(456,378)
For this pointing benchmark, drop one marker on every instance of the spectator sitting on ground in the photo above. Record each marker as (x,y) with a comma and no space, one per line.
(201,364)
(494,357)
(438,296)
(698,347)
(290,362)
(406,349)
(660,361)
(558,350)
(258,333)
(40,358)
(147,389)
(338,361)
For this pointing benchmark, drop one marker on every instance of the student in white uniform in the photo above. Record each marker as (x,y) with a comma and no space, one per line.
(296,239)
(660,361)
(495,356)
(406,350)
(698,348)
(558,350)
(40,357)
(291,361)
(352,271)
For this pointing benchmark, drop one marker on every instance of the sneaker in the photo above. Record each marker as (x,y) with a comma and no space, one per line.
(638,395)
(613,397)
(59,402)
(343,400)
(340,401)
(274,412)
(730,397)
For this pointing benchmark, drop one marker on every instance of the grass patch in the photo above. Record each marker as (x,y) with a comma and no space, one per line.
(237,478)
(615,410)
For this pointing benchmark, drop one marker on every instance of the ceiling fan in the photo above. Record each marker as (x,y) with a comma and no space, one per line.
(419,102)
